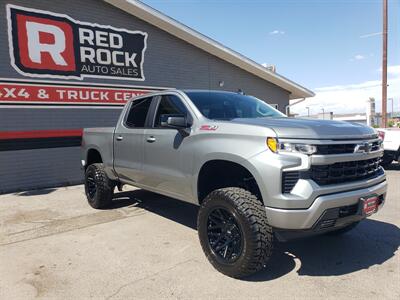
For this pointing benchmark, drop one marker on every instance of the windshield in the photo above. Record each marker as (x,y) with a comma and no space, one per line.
(228,106)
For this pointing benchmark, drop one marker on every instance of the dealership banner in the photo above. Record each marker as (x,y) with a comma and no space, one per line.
(53,45)
(34,93)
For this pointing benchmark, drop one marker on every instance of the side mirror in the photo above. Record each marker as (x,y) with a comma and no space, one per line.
(174,121)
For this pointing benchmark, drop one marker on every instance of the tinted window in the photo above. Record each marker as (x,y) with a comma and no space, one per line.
(169,105)
(138,112)
(227,106)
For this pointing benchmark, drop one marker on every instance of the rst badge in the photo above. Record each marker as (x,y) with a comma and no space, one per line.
(46,44)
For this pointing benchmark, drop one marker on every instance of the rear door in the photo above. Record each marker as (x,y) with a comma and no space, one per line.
(129,139)
(167,160)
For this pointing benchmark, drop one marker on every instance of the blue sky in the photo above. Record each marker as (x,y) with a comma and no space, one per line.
(318,44)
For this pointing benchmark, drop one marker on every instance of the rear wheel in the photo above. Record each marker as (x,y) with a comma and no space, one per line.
(98,188)
(234,232)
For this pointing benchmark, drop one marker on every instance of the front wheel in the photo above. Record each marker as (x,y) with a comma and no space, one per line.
(234,232)
(98,187)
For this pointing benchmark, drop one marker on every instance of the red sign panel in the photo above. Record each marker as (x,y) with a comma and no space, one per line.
(15,93)
(47,44)
(44,33)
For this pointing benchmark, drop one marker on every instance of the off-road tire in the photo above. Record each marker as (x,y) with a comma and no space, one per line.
(104,188)
(251,217)
(343,230)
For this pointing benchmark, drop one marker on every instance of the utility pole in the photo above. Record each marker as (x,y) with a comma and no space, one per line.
(384,63)
(323,113)
(308,111)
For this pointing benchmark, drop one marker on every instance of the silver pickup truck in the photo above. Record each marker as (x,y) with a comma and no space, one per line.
(257,175)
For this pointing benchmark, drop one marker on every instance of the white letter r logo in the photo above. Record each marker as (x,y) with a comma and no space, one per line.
(35,48)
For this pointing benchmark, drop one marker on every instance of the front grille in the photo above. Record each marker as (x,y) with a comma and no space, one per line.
(289,180)
(335,149)
(343,148)
(344,172)
(376,145)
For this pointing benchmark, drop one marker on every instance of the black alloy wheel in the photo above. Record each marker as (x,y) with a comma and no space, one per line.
(224,235)
(91,186)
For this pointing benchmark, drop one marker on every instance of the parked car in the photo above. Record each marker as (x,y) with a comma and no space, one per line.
(257,175)
(391,145)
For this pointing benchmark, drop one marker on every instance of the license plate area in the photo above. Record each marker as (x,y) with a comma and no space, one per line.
(370,204)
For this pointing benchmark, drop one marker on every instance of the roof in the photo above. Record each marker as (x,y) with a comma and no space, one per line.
(173,27)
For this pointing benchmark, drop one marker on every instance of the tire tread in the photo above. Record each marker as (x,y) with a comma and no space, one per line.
(104,194)
(252,210)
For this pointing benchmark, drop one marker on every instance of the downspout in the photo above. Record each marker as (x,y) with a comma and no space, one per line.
(290,105)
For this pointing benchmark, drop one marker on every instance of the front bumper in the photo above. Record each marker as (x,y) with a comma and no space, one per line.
(268,169)
(307,219)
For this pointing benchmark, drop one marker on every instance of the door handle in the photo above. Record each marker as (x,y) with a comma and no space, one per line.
(151,139)
(120,138)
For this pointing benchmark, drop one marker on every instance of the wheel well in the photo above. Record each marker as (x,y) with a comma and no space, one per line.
(93,157)
(217,174)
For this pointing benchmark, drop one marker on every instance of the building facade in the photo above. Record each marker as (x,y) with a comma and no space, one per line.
(67,65)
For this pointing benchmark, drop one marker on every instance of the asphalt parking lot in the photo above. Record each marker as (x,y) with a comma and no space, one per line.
(53,245)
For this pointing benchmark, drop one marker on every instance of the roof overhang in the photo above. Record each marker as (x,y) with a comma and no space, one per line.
(173,27)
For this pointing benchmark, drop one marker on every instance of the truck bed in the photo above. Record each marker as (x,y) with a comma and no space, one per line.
(100,138)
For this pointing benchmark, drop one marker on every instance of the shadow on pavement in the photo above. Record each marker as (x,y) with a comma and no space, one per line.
(172,209)
(371,243)
(36,192)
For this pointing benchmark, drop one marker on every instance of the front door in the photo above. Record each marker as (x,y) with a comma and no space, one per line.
(167,160)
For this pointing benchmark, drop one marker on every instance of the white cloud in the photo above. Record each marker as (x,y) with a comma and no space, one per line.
(264,65)
(275,32)
(370,35)
(351,98)
(394,70)
(359,57)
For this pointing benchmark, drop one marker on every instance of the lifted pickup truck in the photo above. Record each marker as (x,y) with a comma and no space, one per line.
(256,174)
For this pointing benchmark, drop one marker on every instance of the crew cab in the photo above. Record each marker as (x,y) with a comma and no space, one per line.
(256,174)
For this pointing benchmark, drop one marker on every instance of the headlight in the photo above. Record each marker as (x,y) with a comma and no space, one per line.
(276,147)
(301,148)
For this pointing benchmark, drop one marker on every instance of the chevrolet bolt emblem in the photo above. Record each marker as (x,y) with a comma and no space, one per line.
(363,148)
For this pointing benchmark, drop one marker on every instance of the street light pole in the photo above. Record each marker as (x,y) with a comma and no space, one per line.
(308,111)
(384,63)
(323,113)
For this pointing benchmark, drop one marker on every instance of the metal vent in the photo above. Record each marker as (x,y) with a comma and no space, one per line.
(289,180)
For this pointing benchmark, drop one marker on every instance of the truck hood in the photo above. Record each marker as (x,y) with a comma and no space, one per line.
(311,128)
